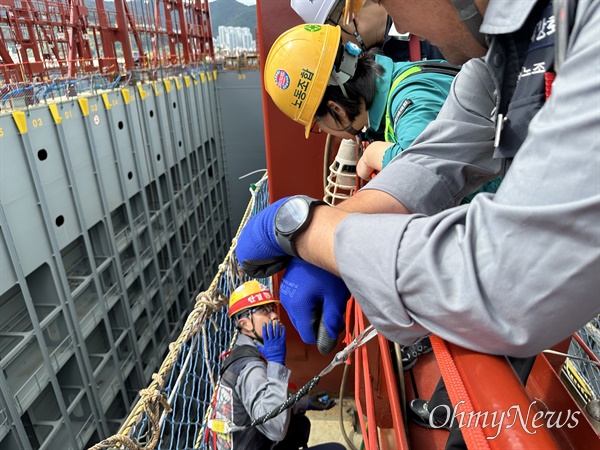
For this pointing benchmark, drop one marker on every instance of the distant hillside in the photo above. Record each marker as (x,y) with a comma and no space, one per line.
(231,13)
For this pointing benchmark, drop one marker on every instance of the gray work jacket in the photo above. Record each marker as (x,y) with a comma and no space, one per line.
(263,386)
(511,273)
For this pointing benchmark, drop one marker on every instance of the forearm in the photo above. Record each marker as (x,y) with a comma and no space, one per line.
(373,201)
(372,159)
(482,276)
(511,273)
(315,244)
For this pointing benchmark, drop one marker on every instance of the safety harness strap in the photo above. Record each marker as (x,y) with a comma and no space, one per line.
(474,436)
(239,352)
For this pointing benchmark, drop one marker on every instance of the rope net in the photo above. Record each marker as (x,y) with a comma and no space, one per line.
(172,411)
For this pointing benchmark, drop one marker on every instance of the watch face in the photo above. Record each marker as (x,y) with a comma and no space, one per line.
(291,215)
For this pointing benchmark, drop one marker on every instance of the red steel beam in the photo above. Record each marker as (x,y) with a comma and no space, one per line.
(66,38)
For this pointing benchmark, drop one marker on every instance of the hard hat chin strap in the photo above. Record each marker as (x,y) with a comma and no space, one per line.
(356,35)
(359,38)
(338,79)
(253,331)
(349,61)
(470,16)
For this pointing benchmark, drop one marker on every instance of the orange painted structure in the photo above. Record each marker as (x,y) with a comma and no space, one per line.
(295,166)
(485,383)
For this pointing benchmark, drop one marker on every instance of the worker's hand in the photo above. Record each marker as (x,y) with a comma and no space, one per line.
(363,170)
(257,250)
(273,348)
(315,301)
(371,162)
(320,401)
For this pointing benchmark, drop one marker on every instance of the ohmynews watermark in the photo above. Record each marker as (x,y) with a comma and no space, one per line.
(530,420)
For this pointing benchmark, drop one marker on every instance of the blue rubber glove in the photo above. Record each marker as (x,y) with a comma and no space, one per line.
(273,348)
(320,401)
(315,301)
(257,250)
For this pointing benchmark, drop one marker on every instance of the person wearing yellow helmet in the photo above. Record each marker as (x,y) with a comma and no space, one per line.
(325,85)
(254,380)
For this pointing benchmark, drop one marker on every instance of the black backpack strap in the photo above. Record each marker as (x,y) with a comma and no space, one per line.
(438,67)
(238,352)
(419,67)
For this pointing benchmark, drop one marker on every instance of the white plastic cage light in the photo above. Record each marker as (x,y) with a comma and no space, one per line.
(341,180)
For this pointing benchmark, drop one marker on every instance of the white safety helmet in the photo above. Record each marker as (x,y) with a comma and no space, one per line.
(315,11)
(332,12)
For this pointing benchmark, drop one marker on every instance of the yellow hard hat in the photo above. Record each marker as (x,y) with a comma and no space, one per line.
(248,295)
(298,69)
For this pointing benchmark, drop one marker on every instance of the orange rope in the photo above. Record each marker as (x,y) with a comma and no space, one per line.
(348,335)
(359,409)
(371,420)
(369,428)
(474,436)
(392,391)
(369,434)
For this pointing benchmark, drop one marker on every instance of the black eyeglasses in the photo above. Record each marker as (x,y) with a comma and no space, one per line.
(347,129)
(316,130)
(264,310)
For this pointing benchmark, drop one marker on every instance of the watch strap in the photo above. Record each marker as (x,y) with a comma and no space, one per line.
(286,244)
(287,241)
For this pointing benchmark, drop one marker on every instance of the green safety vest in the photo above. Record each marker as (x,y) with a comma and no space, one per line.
(420,67)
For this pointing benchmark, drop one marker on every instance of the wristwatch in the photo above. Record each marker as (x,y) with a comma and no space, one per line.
(292,218)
